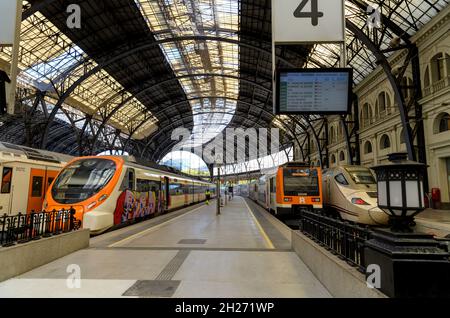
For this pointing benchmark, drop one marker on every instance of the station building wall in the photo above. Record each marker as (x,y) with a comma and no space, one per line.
(381,131)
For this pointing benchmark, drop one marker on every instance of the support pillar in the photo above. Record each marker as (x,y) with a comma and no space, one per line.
(11,100)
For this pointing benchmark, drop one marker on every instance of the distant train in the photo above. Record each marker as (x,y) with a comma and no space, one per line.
(289,188)
(26,175)
(108,191)
(351,191)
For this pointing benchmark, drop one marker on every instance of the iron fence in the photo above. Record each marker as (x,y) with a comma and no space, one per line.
(340,237)
(22,228)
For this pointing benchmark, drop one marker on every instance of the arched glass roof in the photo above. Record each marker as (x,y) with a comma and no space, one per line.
(225,80)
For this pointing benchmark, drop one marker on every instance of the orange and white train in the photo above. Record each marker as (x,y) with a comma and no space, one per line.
(108,191)
(26,174)
(288,188)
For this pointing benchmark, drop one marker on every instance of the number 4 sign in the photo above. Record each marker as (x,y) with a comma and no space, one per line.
(308,21)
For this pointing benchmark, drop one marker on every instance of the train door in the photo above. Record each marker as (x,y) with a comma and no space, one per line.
(186,190)
(166,192)
(6,189)
(36,190)
(51,175)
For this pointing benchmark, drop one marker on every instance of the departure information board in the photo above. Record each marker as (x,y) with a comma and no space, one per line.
(314,91)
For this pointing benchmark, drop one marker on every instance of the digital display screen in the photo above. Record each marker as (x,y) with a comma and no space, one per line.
(314,91)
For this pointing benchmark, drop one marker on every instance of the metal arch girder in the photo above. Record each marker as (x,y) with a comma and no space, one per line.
(223,97)
(129,51)
(156,152)
(263,110)
(388,22)
(118,107)
(392,80)
(162,131)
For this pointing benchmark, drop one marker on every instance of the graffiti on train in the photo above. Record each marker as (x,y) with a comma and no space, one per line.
(132,205)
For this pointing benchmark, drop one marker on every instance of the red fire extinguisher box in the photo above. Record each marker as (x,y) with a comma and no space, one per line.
(436,198)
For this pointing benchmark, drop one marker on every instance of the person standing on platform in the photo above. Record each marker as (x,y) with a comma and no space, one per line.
(208,196)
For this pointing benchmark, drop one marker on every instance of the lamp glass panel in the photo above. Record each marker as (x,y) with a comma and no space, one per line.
(395,193)
(412,195)
(382,193)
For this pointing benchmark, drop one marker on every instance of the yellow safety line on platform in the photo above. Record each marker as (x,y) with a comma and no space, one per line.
(153,228)
(263,233)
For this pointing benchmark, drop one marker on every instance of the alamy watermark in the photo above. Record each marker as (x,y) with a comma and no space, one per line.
(373,279)
(74,279)
(74,18)
(373,16)
(230,146)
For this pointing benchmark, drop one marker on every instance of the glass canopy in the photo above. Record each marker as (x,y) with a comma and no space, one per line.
(46,55)
(208,71)
(201,64)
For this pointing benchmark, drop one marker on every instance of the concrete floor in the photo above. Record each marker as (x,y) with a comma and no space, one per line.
(193,253)
(436,222)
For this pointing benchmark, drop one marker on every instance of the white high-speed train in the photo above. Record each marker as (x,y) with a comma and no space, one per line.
(351,191)
(26,174)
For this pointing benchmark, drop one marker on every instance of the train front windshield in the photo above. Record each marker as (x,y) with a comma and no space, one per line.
(82,179)
(361,176)
(301,182)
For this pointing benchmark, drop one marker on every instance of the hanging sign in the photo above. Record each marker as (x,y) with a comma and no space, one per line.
(307,21)
(8,14)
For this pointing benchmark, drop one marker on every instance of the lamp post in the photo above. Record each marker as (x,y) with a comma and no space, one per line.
(411,264)
(400,190)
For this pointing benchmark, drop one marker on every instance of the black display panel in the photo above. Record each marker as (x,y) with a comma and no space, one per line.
(313,91)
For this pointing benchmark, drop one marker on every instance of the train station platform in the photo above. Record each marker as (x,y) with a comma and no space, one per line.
(436,222)
(191,253)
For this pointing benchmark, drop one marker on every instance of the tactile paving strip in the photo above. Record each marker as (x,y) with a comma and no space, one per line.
(173,266)
(192,241)
(153,288)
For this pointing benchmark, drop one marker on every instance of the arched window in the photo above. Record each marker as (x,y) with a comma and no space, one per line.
(384,103)
(332,134)
(341,156)
(333,159)
(426,79)
(366,115)
(437,67)
(341,130)
(385,142)
(368,147)
(442,123)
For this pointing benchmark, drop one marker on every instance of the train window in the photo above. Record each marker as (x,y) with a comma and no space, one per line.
(82,179)
(341,179)
(6,179)
(36,186)
(301,182)
(49,181)
(142,185)
(361,176)
(131,179)
(175,189)
(273,187)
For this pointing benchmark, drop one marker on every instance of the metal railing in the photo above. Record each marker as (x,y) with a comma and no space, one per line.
(341,238)
(22,228)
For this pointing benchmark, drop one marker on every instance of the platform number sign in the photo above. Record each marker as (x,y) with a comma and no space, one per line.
(308,21)
(314,14)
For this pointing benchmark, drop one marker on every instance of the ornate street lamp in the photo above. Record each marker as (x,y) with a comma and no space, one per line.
(400,190)
(411,264)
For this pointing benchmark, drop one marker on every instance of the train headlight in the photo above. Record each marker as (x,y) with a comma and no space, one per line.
(316,199)
(90,206)
(103,197)
(359,201)
(287,199)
